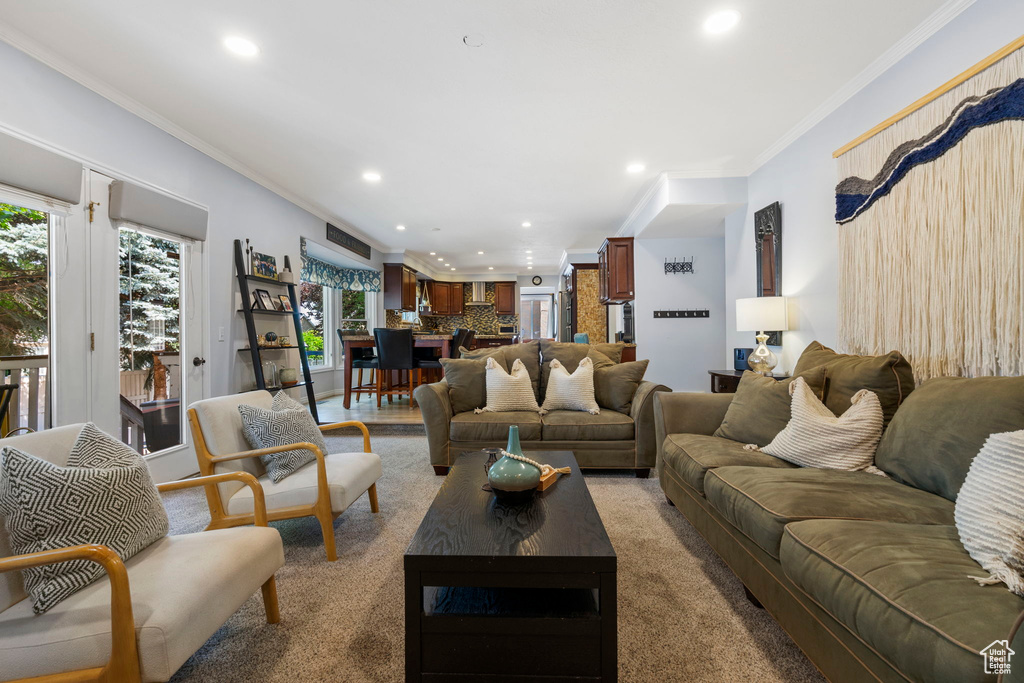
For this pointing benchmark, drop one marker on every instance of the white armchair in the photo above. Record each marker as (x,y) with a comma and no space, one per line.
(152,612)
(323,489)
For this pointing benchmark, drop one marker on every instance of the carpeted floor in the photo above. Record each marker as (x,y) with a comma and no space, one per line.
(682,613)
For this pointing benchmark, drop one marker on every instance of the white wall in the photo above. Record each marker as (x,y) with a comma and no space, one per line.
(681,351)
(56,111)
(803,176)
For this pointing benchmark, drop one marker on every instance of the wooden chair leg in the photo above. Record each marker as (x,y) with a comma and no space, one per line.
(270,601)
(327,526)
(413,377)
(391,385)
(359,385)
(372,493)
(379,388)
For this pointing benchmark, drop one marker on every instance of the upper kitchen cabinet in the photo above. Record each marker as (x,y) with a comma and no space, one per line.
(505,298)
(615,269)
(456,299)
(399,287)
(446,298)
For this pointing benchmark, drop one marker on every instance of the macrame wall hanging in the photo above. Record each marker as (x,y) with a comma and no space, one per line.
(930,213)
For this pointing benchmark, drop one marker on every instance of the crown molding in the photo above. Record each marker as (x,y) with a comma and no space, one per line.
(33,49)
(903,47)
(697,175)
(653,190)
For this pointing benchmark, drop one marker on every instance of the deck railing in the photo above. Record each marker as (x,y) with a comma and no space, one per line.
(29,404)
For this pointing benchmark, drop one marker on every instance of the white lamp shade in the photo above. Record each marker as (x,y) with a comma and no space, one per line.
(761,313)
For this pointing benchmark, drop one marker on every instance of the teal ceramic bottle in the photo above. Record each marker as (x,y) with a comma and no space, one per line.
(513,480)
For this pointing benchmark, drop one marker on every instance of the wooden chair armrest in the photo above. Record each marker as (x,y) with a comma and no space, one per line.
(124,658)
(351,423)
(259,502)
(263,451)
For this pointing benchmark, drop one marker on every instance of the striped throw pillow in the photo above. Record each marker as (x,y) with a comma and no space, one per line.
(571,392)
(989,512)
(508,391)
(815,437)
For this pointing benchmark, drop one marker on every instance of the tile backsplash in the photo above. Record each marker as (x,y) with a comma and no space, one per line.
(482,319)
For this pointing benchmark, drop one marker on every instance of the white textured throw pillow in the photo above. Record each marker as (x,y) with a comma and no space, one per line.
(508,391)
(815,437)
(571,392)
(989,511)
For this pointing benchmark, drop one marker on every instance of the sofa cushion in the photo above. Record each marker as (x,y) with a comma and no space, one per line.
(467,383)
(616,385)
(761,501)
(348,476)
(494,426)
(903,590)
(890,377)
(574,425)
(760,408)
(692,455)
(611,349)
(941,427)
(183,589)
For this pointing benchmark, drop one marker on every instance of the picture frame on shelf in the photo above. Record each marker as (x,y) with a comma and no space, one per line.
(264,265)
(286,303)
(263,301)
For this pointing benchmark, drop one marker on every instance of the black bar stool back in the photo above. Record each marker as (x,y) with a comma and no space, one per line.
(394,352)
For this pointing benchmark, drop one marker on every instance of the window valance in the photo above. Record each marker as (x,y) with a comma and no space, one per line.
(329,275)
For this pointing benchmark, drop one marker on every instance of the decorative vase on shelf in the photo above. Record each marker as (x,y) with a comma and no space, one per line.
(513,480)
(288,376)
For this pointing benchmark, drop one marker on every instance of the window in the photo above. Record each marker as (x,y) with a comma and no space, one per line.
(536,316)
(353,310)
(315,306)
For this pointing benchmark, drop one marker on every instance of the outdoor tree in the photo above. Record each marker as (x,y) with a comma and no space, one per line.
(150,286)
(24,263)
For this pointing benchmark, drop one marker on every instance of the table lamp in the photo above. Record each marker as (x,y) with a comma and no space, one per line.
(758,314)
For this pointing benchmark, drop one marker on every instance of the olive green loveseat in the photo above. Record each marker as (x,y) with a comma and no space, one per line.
(866,573)
(620,437)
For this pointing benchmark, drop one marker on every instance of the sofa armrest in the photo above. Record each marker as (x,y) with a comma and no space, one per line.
(123,664)
(642,412)
(687,413)
(436,408)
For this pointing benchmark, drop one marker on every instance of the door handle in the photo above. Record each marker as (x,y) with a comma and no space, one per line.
(197,361)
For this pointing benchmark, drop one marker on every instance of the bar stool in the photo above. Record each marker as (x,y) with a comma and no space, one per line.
(362,359)
(394,352)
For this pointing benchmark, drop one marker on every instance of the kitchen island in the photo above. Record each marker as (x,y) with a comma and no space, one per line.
(362,341)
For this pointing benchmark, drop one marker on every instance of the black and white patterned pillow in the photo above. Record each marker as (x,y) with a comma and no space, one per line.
(104,495)
(283,401)
(268,428)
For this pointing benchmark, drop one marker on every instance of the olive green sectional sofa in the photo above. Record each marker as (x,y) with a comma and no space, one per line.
(620,437)
(866,573)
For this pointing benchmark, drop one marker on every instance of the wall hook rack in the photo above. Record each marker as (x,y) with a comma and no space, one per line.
(677,266)
(684,313)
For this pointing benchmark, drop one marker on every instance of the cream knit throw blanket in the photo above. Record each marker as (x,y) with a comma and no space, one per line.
(508,391)
(989,511)
(815,437)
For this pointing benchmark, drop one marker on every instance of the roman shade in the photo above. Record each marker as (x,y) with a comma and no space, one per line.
(142,206)
(34,169)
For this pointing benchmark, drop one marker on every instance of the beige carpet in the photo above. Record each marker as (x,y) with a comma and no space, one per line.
(682,614)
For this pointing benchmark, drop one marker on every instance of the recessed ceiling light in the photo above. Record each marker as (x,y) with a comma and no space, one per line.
(371,177)
(446,265)
(529,267)
(527,224)
(529,251)
(241,46)
(433,253)
(440,259)
(399,227)
(490,267)
(635,168)
(480,252)
(453,269)
(720,22)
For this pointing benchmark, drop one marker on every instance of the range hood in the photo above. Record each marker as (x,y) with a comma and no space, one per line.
(479,295)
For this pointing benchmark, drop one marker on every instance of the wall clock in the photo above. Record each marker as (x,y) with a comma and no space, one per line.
(537,279)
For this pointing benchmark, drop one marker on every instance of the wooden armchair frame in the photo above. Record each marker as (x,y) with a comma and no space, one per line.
(321,508)
(123,665)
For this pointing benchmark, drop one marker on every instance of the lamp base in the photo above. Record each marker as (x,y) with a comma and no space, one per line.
(762,360)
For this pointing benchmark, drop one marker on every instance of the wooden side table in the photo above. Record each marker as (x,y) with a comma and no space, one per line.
(726,381)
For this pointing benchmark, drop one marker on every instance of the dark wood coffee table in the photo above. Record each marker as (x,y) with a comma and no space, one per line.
(511,593)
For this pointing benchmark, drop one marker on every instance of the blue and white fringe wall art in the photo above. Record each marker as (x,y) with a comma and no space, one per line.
(930,213)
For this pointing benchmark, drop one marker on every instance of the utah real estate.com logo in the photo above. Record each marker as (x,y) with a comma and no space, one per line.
(997,657)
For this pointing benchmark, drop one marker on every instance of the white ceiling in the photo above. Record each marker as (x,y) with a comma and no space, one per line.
(689,220)
(537,124)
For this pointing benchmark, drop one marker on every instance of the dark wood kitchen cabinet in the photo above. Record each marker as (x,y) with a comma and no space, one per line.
(446,298)
(505,298)
(456,299)
(399,287)
(615,266)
